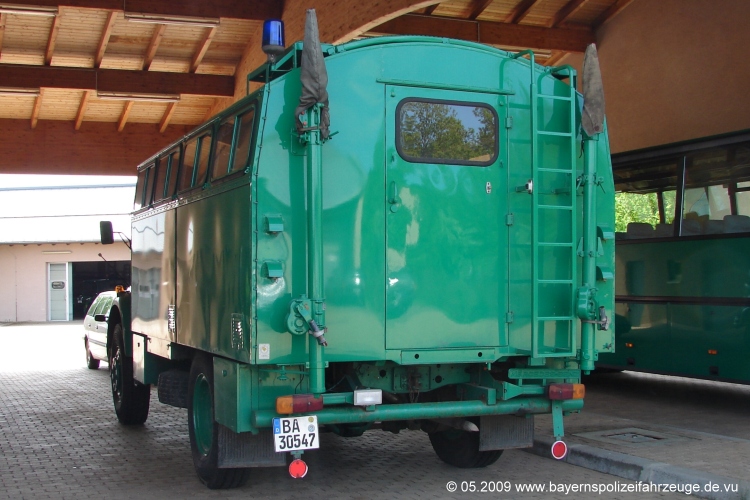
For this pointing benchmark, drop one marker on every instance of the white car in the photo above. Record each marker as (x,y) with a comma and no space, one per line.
(95,329)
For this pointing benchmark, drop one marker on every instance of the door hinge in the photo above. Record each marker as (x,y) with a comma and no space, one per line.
(509,122)
(509,317)
(509,220)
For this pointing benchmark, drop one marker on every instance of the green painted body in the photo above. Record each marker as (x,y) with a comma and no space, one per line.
(689,289)
(434,270)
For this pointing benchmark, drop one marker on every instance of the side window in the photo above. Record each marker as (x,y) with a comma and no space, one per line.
(188,163)
(432,131)
(93,307)
(244,138)
(173,168)
(160,178)
(140,189)
(148,199)
(204,152)
(103,305)
(223,148)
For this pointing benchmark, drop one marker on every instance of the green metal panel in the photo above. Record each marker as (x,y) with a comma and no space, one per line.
(214,267)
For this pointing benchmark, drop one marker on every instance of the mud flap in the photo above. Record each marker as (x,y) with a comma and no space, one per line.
(248,450)
(500,432)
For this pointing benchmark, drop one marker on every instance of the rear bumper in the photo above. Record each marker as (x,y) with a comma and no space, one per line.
(416,411)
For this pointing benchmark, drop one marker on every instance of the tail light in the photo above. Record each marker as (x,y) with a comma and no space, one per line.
(298,403)
(566,391)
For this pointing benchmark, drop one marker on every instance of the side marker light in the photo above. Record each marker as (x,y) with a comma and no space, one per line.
(558,392)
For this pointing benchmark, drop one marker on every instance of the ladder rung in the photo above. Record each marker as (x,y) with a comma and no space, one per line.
(555,134)
(558,170)
(555,244)
(555,97)
(558,282)
(555,207)
(556,318)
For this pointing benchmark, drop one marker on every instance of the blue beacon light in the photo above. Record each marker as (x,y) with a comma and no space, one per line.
(273,38)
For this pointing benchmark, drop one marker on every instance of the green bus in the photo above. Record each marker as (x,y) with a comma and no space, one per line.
(683,259)
(439,259)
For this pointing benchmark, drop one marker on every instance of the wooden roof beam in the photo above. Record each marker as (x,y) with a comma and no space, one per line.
(258,10)
(568,10)
(104,41)
(164,123)
(114,80)
(515,35)
(520,11)
(156,39)
(432,8)
(52,40)
(202,49)
(613,10)
(37,107)
(478,7)
(124,116)
(82,108)
(3,17)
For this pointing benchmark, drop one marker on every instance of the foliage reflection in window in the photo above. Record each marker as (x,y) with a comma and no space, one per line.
(443,132)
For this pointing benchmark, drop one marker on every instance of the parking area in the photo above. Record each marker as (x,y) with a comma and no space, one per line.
(59,438)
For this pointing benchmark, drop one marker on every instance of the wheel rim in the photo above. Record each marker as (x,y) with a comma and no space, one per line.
(115,374)
(202,415)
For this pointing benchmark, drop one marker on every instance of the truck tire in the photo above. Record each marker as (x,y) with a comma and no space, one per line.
(91,362)
(131,398)
(461,449)
(204,431)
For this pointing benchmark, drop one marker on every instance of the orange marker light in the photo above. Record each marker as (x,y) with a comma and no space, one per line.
(713,351)
(566,391)
(298,403)
(628,344)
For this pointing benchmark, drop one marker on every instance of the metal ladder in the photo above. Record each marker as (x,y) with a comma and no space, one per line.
(546,290)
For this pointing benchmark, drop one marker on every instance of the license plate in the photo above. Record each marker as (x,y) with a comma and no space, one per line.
(295,433)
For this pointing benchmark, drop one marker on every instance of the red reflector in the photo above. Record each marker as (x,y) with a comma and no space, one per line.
(628,344)
(559,450)
(713,351)
(566,391)
(298,469)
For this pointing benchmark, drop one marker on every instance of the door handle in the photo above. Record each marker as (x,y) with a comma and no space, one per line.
(393,198)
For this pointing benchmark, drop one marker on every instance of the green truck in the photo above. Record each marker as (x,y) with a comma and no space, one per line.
(398,230)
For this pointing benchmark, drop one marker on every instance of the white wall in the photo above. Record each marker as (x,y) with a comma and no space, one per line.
(23,274)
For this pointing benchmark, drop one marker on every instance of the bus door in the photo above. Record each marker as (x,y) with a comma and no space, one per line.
(446,237)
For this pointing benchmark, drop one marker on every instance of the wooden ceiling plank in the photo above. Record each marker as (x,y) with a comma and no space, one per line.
(115,80)
(37,107)
(478,7)
(201,52)
(613,10)
(159,30)
(257,10)
(124,116)
(567,11)
(104,41)
(52,40)
(520,11)
(164,123)
(493,33)
(3,17)
(82,108)
(432,8)
(555,57)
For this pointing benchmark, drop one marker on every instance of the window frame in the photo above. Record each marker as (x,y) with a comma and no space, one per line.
(449,161)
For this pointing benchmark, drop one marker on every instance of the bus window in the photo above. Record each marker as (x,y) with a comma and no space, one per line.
(706,203)
(188,163)
(173,161)
(204,152)
(743,198)
(223,148)
(244,137)
(160,180)
(140,189)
